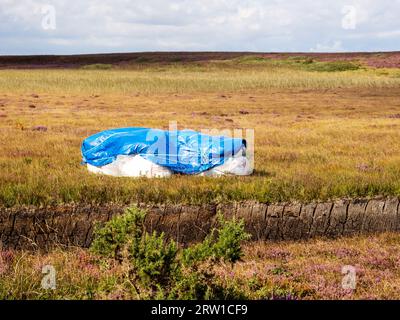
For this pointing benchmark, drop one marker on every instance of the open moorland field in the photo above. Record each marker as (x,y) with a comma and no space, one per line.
(318,134)
(326,127)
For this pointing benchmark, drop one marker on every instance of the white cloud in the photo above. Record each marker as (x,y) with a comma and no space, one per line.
(241,25)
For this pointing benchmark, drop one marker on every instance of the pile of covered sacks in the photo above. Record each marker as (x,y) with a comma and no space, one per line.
(136,152)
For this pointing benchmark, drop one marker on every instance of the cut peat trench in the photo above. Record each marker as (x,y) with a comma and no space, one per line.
(72,225)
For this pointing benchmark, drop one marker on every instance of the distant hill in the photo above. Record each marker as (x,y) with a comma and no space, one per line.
(376,59)
(71,61)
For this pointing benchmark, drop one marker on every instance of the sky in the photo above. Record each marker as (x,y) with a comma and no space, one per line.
(96,26)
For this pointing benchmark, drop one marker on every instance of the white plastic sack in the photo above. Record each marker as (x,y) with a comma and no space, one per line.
(136,166)
(132,166)
(238,165)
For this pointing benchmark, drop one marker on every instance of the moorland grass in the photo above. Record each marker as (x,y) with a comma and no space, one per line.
(97,66)
(318,135)
(244,76)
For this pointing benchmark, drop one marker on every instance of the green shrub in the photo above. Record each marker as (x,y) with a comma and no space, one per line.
(110,240)
(308,60)
(158,269)
(204,284)
(230,236)
(301,59)
(153,260)
(250,59)
(333,66)
(309,64)
(223,243)
(98,66)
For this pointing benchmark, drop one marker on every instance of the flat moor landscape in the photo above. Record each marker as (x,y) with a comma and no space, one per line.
(326,127)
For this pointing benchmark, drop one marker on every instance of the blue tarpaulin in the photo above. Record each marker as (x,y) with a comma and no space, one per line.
(182,151)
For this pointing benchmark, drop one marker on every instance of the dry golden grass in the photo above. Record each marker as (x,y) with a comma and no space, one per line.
(191,79)
(318,135)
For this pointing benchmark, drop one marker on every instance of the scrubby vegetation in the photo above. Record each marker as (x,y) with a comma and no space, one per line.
(334,66)
(160,269)
(98,66)
(300,63)
(126,262)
